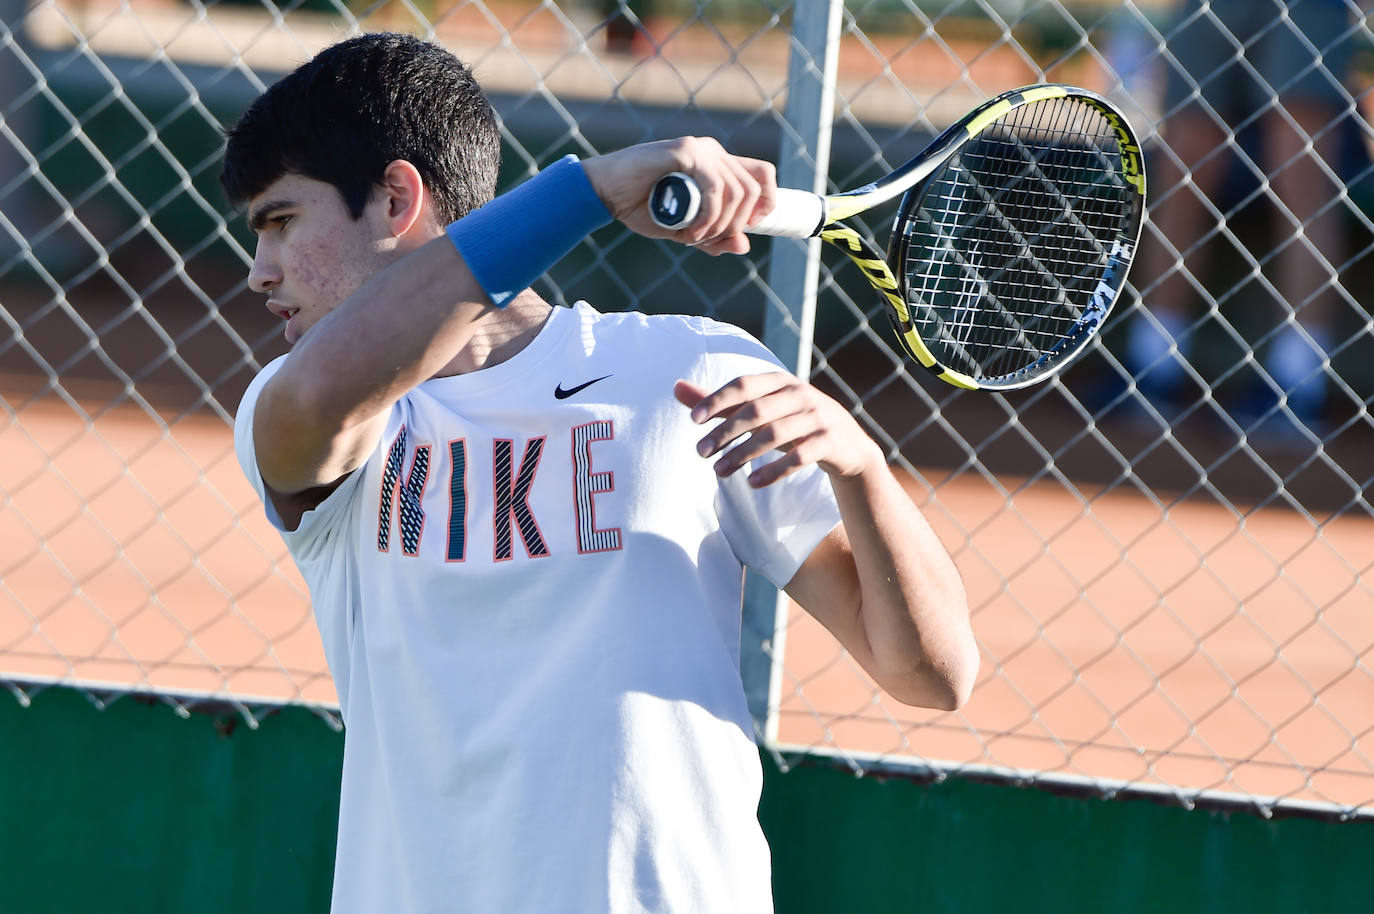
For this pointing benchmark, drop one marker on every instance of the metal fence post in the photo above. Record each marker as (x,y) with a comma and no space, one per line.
(803,162)
(15,120)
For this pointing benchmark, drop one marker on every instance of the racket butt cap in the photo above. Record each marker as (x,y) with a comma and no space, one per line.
(674,201)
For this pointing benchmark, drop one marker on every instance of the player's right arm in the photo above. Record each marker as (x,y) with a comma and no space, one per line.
(321,416)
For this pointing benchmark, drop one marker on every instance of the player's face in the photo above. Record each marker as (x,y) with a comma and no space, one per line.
(311,253)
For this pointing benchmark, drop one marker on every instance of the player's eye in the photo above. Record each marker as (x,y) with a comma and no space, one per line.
(280,221)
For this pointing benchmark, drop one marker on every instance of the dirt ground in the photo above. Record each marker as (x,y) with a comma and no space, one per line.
(1123,637)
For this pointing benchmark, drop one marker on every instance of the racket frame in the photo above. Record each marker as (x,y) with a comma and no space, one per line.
(802,214)
(915,178)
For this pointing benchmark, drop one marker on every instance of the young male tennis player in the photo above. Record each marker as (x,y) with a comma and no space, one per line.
(523,527)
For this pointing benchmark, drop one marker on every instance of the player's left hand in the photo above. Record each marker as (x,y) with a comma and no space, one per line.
(778,411)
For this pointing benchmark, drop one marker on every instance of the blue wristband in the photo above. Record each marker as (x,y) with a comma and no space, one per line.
(516,238)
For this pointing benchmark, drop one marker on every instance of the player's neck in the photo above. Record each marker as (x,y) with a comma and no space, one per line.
(501,334)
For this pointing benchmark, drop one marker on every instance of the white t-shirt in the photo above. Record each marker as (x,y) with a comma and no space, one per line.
(529,600)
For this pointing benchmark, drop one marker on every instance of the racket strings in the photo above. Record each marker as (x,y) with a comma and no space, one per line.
(1043,232)
(1036,268)
(1021,224)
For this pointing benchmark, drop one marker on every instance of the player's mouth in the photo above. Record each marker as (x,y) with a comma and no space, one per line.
(286,313)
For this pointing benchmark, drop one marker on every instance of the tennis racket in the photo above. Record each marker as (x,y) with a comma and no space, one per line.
(1015,232)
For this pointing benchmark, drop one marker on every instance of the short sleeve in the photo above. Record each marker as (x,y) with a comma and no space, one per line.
(320,526)
(772,529)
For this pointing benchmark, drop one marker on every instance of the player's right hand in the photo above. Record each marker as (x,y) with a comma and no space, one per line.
(736,192)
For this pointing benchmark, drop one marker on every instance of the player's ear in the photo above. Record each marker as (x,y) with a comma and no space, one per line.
(404,192)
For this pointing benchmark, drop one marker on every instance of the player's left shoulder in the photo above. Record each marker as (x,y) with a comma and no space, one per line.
(660,338)
(689,346)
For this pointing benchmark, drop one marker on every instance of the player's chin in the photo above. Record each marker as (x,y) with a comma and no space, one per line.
(296,328)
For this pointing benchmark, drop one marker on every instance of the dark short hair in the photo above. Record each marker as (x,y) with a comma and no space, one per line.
(356,107)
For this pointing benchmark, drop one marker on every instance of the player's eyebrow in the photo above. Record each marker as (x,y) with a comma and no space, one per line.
(259,216)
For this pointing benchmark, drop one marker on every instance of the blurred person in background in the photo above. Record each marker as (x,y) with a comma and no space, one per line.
(627,30)
(1280,67)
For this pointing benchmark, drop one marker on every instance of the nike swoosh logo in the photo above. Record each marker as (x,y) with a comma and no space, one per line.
(562,394)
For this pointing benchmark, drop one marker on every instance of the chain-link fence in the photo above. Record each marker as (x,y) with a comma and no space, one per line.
(1165,549)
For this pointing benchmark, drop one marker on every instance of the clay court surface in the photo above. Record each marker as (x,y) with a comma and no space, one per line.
(1123,639)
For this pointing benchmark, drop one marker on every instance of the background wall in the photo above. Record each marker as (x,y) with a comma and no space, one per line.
(135,809)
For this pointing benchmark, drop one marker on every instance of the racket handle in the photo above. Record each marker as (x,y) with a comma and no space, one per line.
(676,200)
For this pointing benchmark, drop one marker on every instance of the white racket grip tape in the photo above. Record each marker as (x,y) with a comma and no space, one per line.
(676,200)
(797,214)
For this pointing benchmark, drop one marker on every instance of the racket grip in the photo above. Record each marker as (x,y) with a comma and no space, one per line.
(676,200)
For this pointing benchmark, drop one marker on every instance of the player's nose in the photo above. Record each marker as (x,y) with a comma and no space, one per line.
(265,274)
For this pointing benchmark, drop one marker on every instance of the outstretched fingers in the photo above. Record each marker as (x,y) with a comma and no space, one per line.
(758,414)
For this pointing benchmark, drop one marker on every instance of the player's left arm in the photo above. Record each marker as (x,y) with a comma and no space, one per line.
(881,582)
